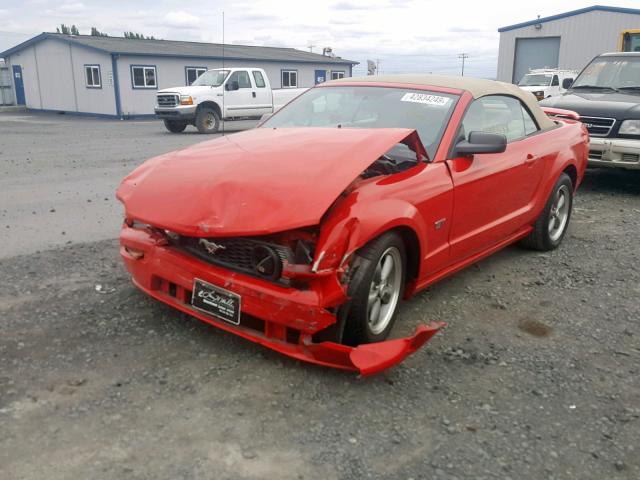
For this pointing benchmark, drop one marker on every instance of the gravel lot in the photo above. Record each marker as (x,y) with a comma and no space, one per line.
(536,376)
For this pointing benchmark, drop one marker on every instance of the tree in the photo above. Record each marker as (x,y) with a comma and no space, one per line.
(97,33)
(137,36)
(66,30)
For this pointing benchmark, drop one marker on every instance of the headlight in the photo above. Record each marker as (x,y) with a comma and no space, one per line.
(630,127)
(539,95)
(186,100)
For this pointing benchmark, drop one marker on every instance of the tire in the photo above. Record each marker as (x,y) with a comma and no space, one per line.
(366,290)
(175,126)
(545,235)
(207,120)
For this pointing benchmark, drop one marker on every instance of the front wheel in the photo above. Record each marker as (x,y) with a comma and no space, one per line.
(175,126)
(207,120)
(375,289)
(551,225)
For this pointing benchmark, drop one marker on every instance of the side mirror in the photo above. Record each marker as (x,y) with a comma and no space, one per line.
(567,82)
(481,142)
(231,86)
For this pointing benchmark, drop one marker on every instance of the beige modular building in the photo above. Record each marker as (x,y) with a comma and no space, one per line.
(119,77)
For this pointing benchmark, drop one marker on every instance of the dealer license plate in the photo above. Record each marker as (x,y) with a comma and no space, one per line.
(216,301)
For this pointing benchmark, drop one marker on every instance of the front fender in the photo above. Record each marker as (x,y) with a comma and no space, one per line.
(351,224)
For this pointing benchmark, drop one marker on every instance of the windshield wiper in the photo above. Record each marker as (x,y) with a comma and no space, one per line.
(593,87)
(632,87)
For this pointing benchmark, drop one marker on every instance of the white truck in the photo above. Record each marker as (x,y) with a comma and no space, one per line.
(546,82)
(218,94)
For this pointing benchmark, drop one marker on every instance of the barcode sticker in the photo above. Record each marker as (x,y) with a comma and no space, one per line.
(424,98)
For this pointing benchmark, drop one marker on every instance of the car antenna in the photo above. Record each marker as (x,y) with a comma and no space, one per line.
(223,86)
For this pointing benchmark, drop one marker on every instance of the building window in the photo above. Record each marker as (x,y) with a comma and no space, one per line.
(143,76)
(92,76)
(193,73)
(257,76)
(289,78)
(336,75)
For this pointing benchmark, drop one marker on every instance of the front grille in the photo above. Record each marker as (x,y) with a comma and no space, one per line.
(235,253)
(595,154)
(168,100)
(631,157)
(598,126)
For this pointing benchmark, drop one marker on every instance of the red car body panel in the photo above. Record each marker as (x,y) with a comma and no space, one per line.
(450,212)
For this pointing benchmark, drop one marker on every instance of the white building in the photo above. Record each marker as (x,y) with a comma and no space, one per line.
(119,77)
(567,41)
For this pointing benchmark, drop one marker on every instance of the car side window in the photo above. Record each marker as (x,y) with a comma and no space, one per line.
(242,78)
(529,124)
(259,79)
(556,81)
(495,114)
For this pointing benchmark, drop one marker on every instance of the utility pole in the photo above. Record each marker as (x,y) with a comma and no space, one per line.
(463,56)
(310,47)
(377,66)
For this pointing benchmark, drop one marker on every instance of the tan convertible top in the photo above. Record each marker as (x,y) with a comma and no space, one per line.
(475,86)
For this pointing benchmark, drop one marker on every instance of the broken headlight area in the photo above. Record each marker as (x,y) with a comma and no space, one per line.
(275,258)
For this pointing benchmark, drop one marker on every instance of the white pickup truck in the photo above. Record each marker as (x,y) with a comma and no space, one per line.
(219,94)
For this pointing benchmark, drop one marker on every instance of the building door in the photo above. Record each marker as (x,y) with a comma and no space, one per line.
(535,53)
(321,76)
(19,84)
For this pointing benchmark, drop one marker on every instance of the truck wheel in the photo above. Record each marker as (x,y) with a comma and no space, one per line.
(207,120)
(376,290)
(175,126)
(551,225)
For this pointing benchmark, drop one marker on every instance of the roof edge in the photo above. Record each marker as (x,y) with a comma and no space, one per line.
(580,11)
(70,39)
(44,36)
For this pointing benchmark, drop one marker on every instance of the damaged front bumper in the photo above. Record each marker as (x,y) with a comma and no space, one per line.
(278,317)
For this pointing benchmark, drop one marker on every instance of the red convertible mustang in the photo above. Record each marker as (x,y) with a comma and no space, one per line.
(304,234)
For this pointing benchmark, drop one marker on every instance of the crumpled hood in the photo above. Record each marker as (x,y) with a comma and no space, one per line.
(256,182)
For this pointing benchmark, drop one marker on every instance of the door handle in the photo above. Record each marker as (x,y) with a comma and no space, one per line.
(530,159)
(254,94)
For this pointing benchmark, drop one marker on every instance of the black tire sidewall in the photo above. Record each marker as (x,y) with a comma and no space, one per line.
(200,120)
(549,243)
(175,126)
(357,328)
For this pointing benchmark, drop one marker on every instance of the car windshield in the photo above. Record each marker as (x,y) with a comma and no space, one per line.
(212,78)
(425,111)
(610,72)
(536,80)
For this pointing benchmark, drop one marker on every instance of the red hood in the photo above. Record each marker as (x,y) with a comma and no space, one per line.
(255,182)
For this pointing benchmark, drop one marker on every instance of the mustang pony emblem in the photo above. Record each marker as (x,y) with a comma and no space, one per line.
(211,247)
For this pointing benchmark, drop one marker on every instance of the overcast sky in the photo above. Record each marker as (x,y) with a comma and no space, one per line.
(405,35)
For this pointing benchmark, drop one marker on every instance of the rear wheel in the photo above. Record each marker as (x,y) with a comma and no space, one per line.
(551,225)
(207,120)
(375,290)
(175,126)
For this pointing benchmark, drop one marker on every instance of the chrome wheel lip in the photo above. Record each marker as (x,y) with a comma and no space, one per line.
(384,291)
(559,213)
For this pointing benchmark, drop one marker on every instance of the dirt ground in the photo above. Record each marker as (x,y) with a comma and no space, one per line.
(535,377)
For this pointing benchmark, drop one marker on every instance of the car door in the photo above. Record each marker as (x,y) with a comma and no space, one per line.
(240,102)
(493,193)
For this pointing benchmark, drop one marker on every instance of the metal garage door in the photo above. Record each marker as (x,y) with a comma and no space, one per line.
(535,53)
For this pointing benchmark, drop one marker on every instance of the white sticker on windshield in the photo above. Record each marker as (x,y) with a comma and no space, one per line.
(424,98)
